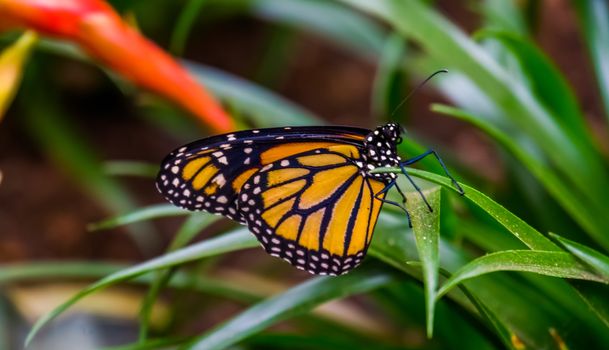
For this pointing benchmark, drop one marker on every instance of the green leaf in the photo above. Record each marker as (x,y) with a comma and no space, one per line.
(394,245)
(387,86)
(520,229)
(45,270)
(192,226)
(556,264)
(130,168)
(426,229)
(284,340)
(153,344)
(545,80)
(10,273)
(492,319)
(195,223)
(276,56)
(586,215)
(595,296)
(523,307)
(294,301)
(328,19)
(184,24)
(12,63)
(596,260)
(487,236)
(504,15)
(146,213)
(575,158)
(263,107)
(404,301)
(594,21)
(236,240)
(7,323)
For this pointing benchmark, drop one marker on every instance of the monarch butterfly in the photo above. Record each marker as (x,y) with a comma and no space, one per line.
(306,193)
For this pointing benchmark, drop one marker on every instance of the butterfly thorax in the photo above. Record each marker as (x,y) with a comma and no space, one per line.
(380,147)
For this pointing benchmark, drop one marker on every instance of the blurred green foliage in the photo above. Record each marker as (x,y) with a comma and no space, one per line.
(500,82)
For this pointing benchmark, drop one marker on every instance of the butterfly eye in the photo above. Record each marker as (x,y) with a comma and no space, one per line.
(398,140)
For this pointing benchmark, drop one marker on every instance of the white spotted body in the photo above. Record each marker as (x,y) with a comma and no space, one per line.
(380,148)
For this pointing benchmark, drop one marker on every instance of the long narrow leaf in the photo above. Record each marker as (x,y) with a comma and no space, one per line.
(595,296)
(556,264)
(585,215)
(52,270)
(262,106)
(12,63)
(386,92)
(295,301)
(596,260)
(184,24)
(192,226)
(333,21)
(130,168)
(576,158)
(239,239)
(426,229)
(594,20)
(151,212)
(492,319)
(504,15)
(508,296)
(546,81)
(520,229)
(283,340)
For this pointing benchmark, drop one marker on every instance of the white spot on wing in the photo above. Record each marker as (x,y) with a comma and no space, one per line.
(219,179)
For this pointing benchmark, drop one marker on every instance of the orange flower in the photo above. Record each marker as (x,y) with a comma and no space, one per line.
(100,31)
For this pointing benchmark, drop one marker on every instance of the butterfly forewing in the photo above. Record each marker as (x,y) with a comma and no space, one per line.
(208,174)
(315,209)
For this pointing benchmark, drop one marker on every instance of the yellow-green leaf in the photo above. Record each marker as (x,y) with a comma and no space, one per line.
(12,61)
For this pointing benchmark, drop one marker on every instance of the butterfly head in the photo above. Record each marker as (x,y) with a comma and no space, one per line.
(381,148)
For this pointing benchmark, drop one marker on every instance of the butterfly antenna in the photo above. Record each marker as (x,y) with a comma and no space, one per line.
(421,84)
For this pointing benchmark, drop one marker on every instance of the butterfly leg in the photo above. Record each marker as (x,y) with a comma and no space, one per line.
(401,193)
(416,187)
(435,154)
(387,188)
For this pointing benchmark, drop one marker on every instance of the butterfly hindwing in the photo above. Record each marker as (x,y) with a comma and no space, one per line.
(314,209)
(206,180)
